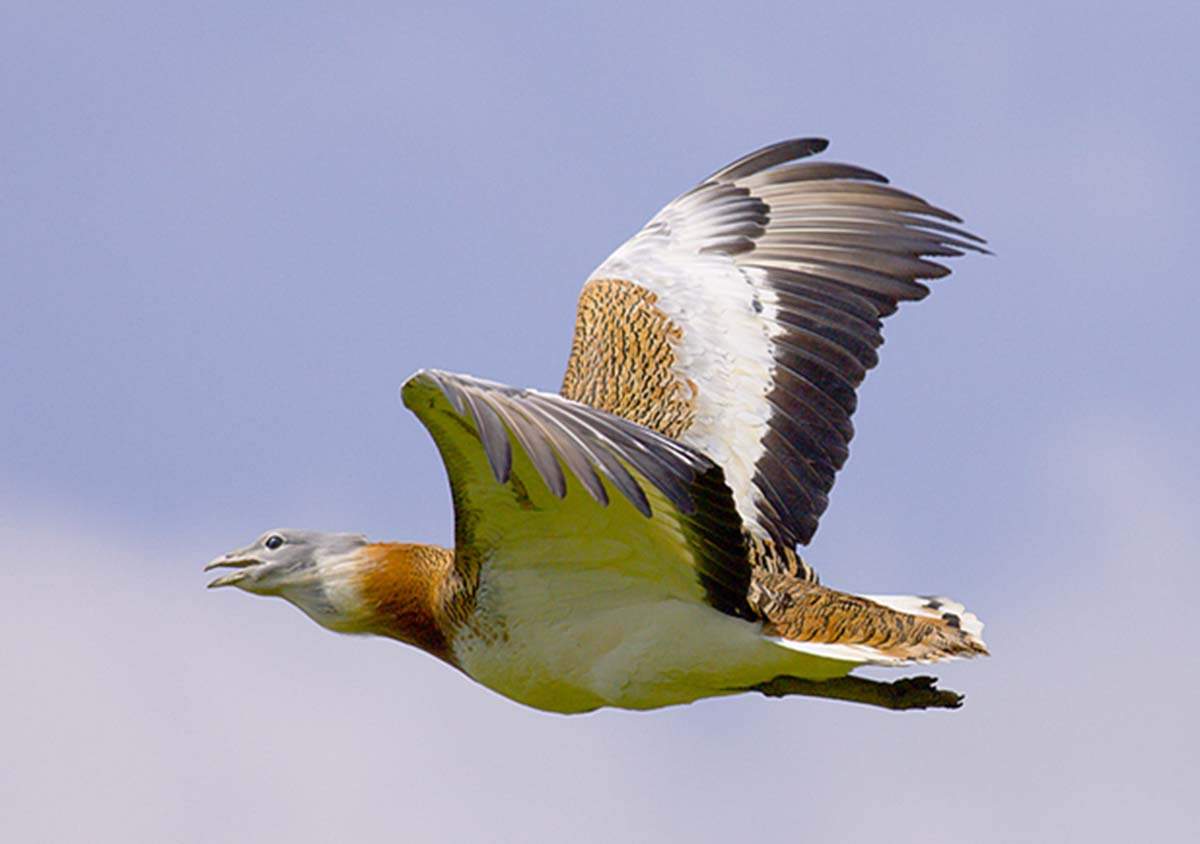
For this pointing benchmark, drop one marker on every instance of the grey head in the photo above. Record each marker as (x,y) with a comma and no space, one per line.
(295,565)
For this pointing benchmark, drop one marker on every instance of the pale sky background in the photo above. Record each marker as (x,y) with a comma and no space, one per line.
(228,231)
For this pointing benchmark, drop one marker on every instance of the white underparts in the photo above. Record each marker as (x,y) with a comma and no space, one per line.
(623,646)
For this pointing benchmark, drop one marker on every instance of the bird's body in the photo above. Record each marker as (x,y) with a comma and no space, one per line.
(631,542)
(614,651)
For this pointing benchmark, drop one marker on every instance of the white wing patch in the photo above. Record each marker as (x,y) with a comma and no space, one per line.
(726,347)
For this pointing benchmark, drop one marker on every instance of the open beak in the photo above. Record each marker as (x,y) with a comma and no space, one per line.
(242,564)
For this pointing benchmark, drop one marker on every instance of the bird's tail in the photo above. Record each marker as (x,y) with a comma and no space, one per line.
(937,607)
(877,629)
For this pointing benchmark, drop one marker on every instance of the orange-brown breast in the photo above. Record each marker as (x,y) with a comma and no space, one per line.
(623,358)
(806,612)
(406,588)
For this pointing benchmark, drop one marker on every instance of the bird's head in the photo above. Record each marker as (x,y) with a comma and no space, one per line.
(315,571)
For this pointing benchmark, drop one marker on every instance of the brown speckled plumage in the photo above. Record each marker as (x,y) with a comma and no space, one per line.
(623,358)
(771,557)
(807,612)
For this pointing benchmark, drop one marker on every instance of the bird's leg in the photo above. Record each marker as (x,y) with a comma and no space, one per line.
(907,693)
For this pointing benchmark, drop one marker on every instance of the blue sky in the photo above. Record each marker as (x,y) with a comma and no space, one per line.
(227,234)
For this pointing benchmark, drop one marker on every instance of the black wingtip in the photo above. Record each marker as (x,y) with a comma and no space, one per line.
(769,156)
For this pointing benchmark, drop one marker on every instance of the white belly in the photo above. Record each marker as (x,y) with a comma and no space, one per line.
(572,643)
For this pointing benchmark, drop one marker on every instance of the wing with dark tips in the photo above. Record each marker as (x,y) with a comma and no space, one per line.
(531,471)
(742,319)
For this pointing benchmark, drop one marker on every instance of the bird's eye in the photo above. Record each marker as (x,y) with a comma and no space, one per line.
(274,541)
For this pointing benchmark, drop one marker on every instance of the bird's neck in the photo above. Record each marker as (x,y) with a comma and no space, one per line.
(405,590)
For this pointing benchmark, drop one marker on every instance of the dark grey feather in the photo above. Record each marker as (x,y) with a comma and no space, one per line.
(491,433)
(589,442)
(537,445)
(810,171)
(769,156)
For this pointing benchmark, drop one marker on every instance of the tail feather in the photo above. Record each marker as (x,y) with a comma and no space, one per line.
(875,629)
(935,606)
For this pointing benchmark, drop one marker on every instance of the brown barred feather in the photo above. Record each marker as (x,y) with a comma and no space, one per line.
(622,358)
(807,612)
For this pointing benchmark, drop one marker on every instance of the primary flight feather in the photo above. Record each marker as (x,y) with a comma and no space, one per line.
(632,541)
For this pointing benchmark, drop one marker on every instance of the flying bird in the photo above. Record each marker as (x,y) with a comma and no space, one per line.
(632,540)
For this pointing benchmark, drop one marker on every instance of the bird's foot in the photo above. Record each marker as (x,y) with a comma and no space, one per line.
(906,693)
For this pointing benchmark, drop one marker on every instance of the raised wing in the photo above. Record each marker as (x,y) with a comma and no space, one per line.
(540,481)
(742,318)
